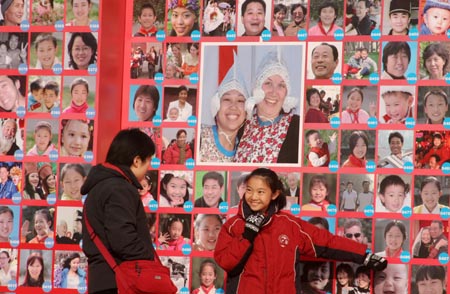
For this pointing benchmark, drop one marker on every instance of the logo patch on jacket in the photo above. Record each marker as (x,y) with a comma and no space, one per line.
(284,240)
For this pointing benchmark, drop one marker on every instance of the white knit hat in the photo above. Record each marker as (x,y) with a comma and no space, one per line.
(271,64)
(233,80)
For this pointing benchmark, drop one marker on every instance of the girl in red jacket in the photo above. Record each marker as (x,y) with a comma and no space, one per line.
(259,247)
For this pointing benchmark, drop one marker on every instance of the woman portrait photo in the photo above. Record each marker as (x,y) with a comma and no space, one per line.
(432,105)
(395,235)
(35,267)
(434,61)
(361,148)
(183,17)
(70,270)
(81,50)
(82,12)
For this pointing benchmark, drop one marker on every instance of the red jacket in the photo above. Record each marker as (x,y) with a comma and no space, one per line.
(172,154)
(321,152)
(271,265)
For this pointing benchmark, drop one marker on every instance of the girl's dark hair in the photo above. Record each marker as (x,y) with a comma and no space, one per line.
(436,92)
(163,191)
(75,166)
(173,219)
(397,224)
(329,4)
(354,137)
(69,259)
(274,182)
(128,144)
(430,272)
(27,281)
(45,187)
(438,49)
(429,180)
(346,268)
(6,209)
(393,180)
(279,7)
(205,263)
(317,220)
(358,90)
(90,41)
(30,190)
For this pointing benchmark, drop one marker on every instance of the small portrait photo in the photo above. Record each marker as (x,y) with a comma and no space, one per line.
(397,103)
(431,238)
(146,60)
(46,50)
(175,188)
(174,231)
(391,237)
(359,104)
(320,147)
(316,276)
(434,63)
(206,274)
(434,17)
(206,231)
(395,148)
(77,136)
(291,184)
(8,263)
(322,103)
(233,99)
(81,50)
(180,102)
(69,225)
(218,17)
(295,18)
(13,49)
(9,218)
(183,17)
(148,17)
(13,12)
(430,194)
(238,187)
(144,103)
(47,178)
(71,178)
(324,60)
(432,149)
(399,59)
(318,192)
(70,269)
(78,94)
(363,17)
(13,92)
(81,12)
(394,279)
(356,191)
(357,148)
(152,225)
(11,136)
(44,93)
(179,268)
(428,278)
(399,17)
(41,136)
(394,193)
(10,179)
(357,229)
(47,12)
(210,188)
(149,187)
(326,223)
(432,105)
(175,55)
(35,267)
(361,59)
(326,17)
(37,224)
(345,277)
(254,16)
(180,145)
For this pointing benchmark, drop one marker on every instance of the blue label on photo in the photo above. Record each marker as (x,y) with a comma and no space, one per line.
(21,111)
(57,69)
(47,286)
(25,25)
(49,242)
(18,155)
(186,249)
(55,112)
(333,166)
(405,256)
(157,120)
(332,209)
(295,209)
(408,167)
(445,212)
(369,210)
(445,168)
(51,199)
(188,206)
(155,162)
(185,290)
(406,212)
(370,166)
(231,35)
(195,35)
(374,78)
(410,122)
(153,205)
(160,35)
(16,198)
(411,78)
(413,33)
(14,241)
(448,33)
(335,122)
(190,163)
(443,258)
(336,78)
(220,291)
(12,285)
(53,155)
(159,77)
(88,156)
(447,78)
(368,250)
(375,34)
(82,288)
(193,78)
(447,123)
(92,69)
(23,68)
(302,35)
(223,207)
(266,35)
(372,122)
(90,113)
(192,121)
(339,35)
(59,25)
(94,25)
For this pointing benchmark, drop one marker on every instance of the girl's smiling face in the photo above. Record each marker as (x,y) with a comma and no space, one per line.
(394,238)
(41,225)
(360,149)
(35,269)
(176,189)
(74,264)
(207,276)
(208,232)
(33,178)
(231,114)
(430,195)
(42,137)
(79,94)
(354,101)
(327,16)
(46,52)
(183,21)
(435,108)
(75,138)
(72,183)
(258,194)
(176,230)
(425,237)
(318,192)
(314,101)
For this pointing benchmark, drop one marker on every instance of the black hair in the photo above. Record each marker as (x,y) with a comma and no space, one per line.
(329,4)
(297,5)
(30,190)
(69,259)
(36,85)
(430,272)
(247,2)
(397,224)
(213,175)
(393,48)
(90,41)
(440,50)
(163,190)
(429,180)
(358,90)
(147,6)
(52,86)
(393,180)
(6,209)
(317,220)
(354,137)
(395,135)
(148,91)
(333,49)
(274,182)
(279,7)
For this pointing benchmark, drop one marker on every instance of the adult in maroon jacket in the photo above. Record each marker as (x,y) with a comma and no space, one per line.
(179,151)
(259,247)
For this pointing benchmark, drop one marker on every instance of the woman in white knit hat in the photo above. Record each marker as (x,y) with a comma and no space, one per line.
(218,142)
(271,132)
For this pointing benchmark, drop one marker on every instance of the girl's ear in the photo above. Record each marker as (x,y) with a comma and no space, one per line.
(275,195)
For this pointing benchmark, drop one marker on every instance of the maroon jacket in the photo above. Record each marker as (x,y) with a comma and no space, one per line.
(172,154)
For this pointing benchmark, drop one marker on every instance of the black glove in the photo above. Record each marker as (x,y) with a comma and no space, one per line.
(252,225)
(375,262)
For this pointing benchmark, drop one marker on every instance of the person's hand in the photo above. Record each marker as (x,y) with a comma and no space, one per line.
(372,108)
(163,238)
(23,51)
(25,229)
(375,262)
(333,137)
(252,225)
